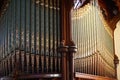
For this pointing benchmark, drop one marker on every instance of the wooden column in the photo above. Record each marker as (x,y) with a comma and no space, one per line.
(63,50)
(67,45)
(71,51)
(116,62)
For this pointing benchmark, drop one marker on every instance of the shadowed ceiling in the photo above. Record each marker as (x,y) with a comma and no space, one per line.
(111,11)
(1,2)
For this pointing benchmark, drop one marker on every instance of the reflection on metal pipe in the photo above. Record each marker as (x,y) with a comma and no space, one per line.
(95,46)
(30,36)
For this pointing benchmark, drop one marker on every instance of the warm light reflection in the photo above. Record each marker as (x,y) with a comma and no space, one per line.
(95,45)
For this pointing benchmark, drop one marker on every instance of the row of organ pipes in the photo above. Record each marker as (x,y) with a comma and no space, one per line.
(29,37)
(95,53)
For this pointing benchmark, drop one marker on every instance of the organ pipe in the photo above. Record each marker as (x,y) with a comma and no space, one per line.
(31,36)
(95,45)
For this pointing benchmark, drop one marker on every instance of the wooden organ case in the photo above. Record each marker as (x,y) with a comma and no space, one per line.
(38,39)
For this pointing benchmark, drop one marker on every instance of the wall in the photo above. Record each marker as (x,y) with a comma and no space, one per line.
(117,45)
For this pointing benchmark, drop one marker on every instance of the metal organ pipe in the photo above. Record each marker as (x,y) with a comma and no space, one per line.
(31,36)
(95,45)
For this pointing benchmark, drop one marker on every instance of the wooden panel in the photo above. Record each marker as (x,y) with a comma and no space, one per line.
(82,76)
